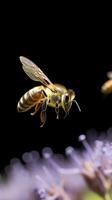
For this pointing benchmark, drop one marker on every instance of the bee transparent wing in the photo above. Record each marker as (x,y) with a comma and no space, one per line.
(35,73)
(109,75)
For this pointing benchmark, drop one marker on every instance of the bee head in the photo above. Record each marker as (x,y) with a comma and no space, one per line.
(67,99)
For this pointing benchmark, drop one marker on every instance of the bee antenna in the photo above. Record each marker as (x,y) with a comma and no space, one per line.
(77,105)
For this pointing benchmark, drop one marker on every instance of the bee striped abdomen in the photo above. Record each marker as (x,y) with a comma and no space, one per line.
(30,99)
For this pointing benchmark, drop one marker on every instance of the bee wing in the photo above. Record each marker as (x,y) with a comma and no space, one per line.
(35,73)
(109,75)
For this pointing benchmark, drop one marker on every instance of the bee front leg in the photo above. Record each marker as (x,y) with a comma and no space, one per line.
(43,115)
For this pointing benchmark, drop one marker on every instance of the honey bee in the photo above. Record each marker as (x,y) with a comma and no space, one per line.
(47,94)
(107,86)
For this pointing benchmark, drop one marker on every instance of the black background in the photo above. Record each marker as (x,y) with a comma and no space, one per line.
(69,52)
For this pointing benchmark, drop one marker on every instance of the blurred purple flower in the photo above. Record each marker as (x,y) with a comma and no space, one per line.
(58,177)
(94,163)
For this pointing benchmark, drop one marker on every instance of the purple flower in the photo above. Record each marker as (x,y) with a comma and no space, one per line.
(58,177)
(94,163)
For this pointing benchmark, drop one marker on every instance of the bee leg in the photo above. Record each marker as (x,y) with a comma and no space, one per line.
(37,107)
(43,115)
(66,114)
(39,103)
(57,111)
(43,118)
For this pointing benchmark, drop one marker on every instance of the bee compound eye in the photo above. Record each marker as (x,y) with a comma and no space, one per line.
(66,97)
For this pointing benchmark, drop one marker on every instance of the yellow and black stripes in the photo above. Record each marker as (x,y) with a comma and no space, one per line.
(30,99)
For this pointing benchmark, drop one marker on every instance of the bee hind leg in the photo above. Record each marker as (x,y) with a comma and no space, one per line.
(43,118)
(41,98)
(43,115)
(37,107)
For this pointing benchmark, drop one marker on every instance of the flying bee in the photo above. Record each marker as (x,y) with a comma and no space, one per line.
(47,94)
(107,86)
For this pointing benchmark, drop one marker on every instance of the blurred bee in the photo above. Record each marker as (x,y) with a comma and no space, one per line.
(47,94)
(107,86)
